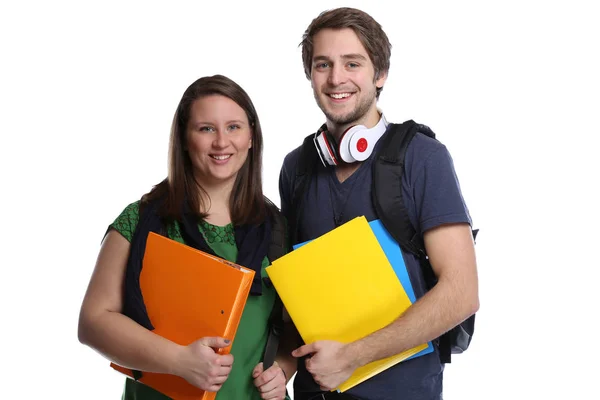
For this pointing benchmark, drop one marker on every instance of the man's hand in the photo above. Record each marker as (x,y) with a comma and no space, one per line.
(270,383)
(330,364)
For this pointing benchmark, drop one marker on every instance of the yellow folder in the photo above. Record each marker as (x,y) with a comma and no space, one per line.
(342,287)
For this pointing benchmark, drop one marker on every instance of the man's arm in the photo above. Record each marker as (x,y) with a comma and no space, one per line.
(453,299)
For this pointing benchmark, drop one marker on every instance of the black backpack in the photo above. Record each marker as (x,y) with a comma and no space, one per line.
(388,169)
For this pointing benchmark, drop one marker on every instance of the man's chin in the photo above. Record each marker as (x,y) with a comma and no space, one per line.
(341,119)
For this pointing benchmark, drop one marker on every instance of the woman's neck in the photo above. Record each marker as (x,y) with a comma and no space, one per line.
(216,199)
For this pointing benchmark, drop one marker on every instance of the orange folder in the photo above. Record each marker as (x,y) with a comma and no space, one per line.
(189,294)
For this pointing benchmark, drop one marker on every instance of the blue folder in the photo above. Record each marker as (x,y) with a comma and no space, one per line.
(394,255)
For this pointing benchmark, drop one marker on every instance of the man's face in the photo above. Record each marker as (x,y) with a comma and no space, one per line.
(343,79)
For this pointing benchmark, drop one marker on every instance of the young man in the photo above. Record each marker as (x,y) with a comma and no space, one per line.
(346,57)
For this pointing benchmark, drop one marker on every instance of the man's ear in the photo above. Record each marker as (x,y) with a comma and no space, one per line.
(380,80)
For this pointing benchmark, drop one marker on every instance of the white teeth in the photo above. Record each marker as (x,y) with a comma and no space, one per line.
(340,95)
(221,157)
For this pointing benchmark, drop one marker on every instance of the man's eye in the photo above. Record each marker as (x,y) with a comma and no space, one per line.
(322,65)
(353,65)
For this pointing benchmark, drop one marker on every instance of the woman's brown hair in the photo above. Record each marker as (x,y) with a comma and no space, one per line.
(246,203)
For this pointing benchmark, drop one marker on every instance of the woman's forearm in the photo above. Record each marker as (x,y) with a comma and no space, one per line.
(128,344)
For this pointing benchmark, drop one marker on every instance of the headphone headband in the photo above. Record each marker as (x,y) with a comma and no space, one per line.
(356,143)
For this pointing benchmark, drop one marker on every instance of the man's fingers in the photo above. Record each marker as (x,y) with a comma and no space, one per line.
(305,350)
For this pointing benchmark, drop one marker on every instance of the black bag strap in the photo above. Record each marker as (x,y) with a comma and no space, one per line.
(305,167)
(277,249)
(387,198)
(387,185)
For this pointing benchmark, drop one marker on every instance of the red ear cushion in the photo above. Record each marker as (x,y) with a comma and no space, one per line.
(362,145)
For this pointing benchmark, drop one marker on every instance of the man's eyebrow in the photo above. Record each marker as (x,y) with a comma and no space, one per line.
(352,56)
(320,58)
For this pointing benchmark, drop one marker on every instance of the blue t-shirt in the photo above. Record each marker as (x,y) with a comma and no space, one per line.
(432,196)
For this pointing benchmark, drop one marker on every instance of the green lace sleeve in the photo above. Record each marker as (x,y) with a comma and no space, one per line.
(126,223)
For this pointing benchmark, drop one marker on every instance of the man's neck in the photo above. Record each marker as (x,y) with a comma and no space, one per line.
(344,171)
(369,120)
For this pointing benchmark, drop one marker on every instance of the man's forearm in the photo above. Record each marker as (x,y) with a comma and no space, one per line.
(439,310)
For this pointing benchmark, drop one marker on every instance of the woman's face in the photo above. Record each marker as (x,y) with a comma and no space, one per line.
(218,137)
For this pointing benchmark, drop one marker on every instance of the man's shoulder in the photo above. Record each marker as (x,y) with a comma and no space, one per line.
(422,145)
(291,159)
(424,150)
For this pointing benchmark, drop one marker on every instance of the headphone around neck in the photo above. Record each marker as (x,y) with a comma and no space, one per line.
(356,144)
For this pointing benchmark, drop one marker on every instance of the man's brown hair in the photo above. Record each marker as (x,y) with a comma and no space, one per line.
(369,32)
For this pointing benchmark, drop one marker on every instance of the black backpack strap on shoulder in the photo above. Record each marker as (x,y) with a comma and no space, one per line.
(387,185)
(387,197)
(305,168)
(277,249)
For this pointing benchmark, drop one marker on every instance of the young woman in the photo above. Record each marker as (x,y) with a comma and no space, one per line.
(211,197)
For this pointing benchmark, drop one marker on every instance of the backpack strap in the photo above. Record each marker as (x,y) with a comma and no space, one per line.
(388,171)
(277,249)
(387,185)
(305,166)
(387,198)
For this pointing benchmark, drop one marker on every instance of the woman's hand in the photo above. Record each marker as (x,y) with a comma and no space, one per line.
(200,365)
(270,383)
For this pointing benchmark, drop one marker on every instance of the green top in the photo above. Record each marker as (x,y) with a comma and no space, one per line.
(251,336)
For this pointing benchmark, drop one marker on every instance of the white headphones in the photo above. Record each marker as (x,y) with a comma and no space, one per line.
(357,143)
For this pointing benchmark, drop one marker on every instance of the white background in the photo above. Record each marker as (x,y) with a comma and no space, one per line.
(88,90)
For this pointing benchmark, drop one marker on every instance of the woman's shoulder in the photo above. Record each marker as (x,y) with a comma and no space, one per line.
(127,221)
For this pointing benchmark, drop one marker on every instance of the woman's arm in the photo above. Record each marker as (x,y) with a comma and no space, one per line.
(123,341)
